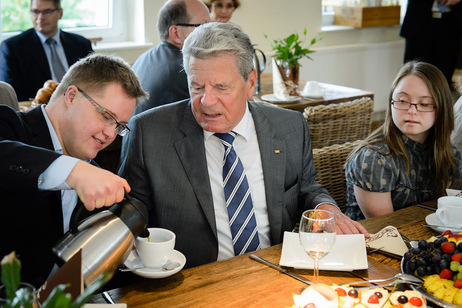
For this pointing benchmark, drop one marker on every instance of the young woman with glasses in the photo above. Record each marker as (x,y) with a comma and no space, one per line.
(221,10)
(409,159)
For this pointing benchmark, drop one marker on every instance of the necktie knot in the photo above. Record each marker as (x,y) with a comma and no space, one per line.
(50,41)
(227,138)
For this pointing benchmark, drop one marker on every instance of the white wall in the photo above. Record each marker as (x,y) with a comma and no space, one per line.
(279,18)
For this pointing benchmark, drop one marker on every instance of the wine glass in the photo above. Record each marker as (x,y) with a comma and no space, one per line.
(317,235)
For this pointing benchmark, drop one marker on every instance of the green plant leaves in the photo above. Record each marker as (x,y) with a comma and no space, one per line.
(11,274)
(291,50)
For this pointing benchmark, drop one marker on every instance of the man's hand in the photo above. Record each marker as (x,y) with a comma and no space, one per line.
(344,224)
(96,187)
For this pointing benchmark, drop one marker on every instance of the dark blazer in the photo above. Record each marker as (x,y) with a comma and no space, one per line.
(161,74)
(24,65)
(419,13)
(31,221)
(163,160)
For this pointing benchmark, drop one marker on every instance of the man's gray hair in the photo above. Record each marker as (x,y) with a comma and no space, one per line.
(215,39)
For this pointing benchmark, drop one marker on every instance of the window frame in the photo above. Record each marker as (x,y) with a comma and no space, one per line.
(115,32)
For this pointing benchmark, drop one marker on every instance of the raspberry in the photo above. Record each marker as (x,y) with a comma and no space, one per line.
(447,247)
(416,301)
(446,274)
(457,257)
(340,292)
(458,284)
(373,299)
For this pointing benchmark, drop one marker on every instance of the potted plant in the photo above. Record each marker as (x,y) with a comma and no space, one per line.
(289,51)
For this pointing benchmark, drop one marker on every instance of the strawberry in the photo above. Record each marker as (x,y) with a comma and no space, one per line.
(447,247)
(416,301)
(373,299)
(446,274)
(340,292)
(458,284)
(447,232)
(457,257)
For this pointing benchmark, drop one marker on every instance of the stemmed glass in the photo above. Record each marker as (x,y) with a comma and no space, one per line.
(317,235)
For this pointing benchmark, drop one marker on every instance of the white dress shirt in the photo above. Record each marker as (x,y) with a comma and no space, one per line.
(246,147)
(59,51)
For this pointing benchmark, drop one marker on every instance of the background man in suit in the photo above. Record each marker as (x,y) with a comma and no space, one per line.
(174,161)
(160,69)
(26,59)
(433,31)
(44,157)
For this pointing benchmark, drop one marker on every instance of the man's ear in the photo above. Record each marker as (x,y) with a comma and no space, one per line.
(69,95)
(251,82)
(174,36)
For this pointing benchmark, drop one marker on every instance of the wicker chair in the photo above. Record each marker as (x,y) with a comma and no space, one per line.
(329,162)
(339,123)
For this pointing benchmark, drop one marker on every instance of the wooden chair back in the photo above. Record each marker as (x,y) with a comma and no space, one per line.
(339,123)
(329,162)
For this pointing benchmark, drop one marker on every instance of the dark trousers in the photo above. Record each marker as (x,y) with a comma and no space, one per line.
(438,44)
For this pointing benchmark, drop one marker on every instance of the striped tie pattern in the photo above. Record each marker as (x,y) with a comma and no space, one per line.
(56,64)
(238,200)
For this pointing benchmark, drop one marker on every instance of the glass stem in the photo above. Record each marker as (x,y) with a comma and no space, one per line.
(316,269)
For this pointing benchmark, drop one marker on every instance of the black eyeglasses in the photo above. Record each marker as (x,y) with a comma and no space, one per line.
(403,105)
(47,12)
(189,25)
(221,5)
(106,116)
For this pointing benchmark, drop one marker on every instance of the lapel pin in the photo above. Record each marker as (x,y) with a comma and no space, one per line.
(277,151)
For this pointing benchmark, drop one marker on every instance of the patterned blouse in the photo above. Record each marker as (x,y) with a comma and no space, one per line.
(373,171)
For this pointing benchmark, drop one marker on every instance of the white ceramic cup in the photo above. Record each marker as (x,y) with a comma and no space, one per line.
(156,249)
(312,88)
(449,211)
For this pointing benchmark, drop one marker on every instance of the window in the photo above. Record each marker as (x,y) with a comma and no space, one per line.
(90,18)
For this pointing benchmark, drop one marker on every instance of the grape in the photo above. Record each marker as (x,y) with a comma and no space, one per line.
(459,246)
(459,268)
(421,261)
(408,255)
(423,244)
(402,299)
(436,257)
(426,254)
(413,264)
(454,265)
(446,257)
(429,269)
(444,263)
(421,271)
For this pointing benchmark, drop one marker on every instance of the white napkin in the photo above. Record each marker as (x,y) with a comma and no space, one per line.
(280,90)
(454,192)
(347,254)
(389,240)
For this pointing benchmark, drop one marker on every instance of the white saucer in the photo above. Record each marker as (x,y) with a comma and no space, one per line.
(319,95)
(176,256)
(273,99)
(432,219)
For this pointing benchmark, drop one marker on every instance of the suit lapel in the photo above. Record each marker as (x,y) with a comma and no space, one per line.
(191,152)
(273,157)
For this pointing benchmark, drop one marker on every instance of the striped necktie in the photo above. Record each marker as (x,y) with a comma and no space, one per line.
(238,200)
(56,64)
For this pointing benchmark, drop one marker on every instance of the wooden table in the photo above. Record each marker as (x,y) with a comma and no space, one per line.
(242,282)
(333,94)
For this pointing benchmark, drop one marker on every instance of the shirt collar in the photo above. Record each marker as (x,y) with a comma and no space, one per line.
(54,137)
(243,128)
(43,37)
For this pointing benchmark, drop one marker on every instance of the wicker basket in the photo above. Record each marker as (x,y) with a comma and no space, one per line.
(329,162)
(339,123)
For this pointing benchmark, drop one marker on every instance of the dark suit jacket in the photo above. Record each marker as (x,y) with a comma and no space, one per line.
(161,74)
(163,159)
(24,65)
(31,221)
(419,13)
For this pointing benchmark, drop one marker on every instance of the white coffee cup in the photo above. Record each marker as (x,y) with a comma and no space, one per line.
(156,249)
(312,88)
(449,211)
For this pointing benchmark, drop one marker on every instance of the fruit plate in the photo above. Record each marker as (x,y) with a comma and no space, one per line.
(429,296)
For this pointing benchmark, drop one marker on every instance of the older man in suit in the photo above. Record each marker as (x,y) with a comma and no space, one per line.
(174,160)
(45,157)
(28,60)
